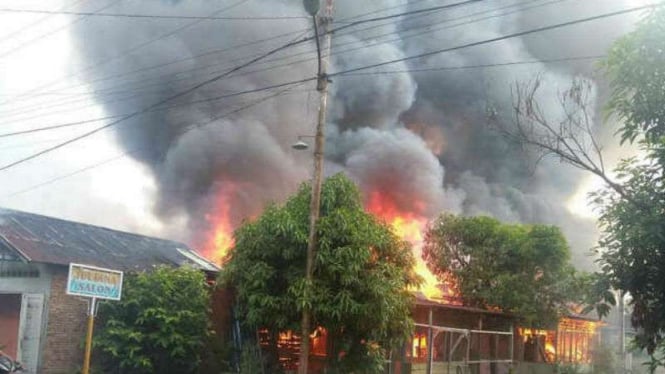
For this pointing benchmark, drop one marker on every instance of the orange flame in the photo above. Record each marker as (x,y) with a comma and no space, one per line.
(218,240)
(410,227)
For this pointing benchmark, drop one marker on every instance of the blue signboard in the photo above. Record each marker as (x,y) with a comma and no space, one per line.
(91,281)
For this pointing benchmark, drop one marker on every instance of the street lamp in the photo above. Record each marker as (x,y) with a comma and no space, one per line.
(301,145)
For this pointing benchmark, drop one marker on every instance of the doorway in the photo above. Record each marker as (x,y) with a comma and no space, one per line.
(10,317)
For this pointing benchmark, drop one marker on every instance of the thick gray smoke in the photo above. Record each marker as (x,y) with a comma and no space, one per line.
(419,138)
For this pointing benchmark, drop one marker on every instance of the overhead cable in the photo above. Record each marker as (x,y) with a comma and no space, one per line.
(360,68)
(148,16)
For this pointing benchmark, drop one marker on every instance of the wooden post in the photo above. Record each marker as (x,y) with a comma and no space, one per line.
(88,337)
(512,345)
(430,342)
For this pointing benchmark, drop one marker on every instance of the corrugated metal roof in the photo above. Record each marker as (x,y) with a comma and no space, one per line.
(422,300)
(55,241)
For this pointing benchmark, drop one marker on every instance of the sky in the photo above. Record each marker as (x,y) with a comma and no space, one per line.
(38,50)
(48,65)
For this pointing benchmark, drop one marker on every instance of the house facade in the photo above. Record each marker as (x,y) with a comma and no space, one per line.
(42,326)
(452,338)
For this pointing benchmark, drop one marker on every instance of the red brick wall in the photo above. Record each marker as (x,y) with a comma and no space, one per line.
(63,352)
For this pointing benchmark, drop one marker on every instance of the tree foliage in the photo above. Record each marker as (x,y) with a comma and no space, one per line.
(521,269)
(632,247)
(361,275)
(632,205)
(159,326)
(635,67)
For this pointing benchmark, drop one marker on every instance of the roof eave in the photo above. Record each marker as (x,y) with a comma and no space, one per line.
(12,247)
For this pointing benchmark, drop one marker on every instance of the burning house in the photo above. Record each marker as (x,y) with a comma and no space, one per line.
(573,341)
(450,337)
(414,139)
(454,338)
(40,325)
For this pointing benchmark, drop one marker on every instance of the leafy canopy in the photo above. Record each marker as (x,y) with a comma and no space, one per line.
(361,275)
(632,247)
(521,269)
(160,325)
(636,68)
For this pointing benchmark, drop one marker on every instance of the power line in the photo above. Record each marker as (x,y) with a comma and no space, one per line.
(132,49)
(468,45)
(412,12)
(428,30)
(148,16)
(158,79)
(351,24)
(347,73)
(234,47)
(97,93)
(34,23)
(388,72)
(181,94)
(31,144)
(158,109)
(157,104)
(479,66)
(353,70)
(336,31)
(54,127)
(134,95)
(68,175)
(492,40)
(51,32)
(135,151)
(353,49)
(168,107)
(141,70)
(382,10)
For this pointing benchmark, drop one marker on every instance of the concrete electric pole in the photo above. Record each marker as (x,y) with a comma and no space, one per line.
(322,25)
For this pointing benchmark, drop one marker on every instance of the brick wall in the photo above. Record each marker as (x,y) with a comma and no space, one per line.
(63,352)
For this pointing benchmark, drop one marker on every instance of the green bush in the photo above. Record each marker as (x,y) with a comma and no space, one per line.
(160,325)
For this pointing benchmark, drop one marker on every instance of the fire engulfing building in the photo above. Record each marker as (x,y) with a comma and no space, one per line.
(452,338)
(458,339)
(40,324)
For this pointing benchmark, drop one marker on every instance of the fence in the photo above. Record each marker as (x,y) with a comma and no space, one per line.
(449,350)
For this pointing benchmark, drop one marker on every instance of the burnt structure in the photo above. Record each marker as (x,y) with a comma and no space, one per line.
(453,338)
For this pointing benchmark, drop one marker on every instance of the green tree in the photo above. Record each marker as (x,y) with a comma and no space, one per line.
(632,247)
(159,326)
(635,67)
(522,269)
(632,205)
(361,276)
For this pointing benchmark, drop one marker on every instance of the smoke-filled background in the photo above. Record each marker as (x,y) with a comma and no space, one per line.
(414,134)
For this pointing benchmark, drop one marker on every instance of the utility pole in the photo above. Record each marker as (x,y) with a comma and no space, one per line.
(622,331)
(321,23)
